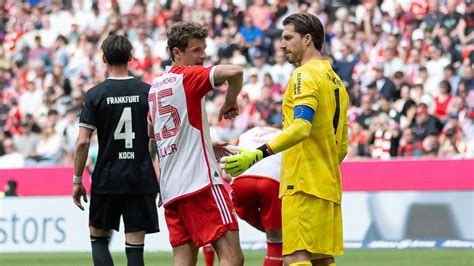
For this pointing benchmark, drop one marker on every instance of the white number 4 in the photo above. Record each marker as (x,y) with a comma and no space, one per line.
(128,135)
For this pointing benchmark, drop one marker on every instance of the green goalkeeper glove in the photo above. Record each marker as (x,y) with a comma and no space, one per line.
(237,164)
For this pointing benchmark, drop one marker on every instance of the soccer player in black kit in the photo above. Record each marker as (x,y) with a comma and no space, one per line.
(124,182)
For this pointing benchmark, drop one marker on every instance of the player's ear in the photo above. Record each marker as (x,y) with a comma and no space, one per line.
(104,59)
(176,52)
(307,39)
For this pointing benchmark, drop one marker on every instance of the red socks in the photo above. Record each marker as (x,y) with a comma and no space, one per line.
(274,255)
(208,252)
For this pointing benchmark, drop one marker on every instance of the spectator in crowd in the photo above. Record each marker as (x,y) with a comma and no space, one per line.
(468,130)
(254,87)
(384,137)
(468,78)
(392,63)
(48,53)
(259,61)
(11,157)
(281,70)
(357,140)
(385,85)
(419,95)
(424,124)
(9,190)
(366,112)
(435,66)
(430,146)
(250,38)
(433,17)
(409,147)
(442,100)
(48,150)
(449,74)
(345,66)
(25,142)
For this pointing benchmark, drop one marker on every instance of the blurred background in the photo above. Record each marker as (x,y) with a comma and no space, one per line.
(407,66)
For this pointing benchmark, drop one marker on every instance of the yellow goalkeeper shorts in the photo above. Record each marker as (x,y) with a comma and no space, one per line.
(312,224)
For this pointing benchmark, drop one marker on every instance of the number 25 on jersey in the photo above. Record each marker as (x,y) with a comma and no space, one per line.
(165,110)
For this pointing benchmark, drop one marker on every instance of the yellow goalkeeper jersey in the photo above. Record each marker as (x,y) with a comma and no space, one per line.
(312,166)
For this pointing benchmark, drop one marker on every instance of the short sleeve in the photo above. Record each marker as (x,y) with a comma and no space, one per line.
(149,119)
(199,80)
(305,89)
(88,118)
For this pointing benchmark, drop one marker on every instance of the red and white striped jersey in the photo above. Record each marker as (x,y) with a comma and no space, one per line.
(254,138)
(187,160)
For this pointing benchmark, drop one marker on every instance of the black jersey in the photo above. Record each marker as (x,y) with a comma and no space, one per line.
(118,109)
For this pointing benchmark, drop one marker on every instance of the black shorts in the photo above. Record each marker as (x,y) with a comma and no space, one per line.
(139,212)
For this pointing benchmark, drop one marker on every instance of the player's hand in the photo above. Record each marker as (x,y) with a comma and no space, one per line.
(221,150)
(79,191)
(237,164)
(229,110)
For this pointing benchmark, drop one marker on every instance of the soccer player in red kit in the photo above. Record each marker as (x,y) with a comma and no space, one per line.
(255,195)
(198,209)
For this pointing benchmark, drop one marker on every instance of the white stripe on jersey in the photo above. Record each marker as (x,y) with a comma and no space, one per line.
(219,207)
(87,126)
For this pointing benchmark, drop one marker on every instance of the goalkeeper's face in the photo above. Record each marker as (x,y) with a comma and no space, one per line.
(291,44)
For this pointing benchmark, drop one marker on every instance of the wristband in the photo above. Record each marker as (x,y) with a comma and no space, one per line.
(77,179)
(266,150)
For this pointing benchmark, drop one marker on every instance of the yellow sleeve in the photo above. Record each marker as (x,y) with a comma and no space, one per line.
(292,135)
(305,92)
(306,89)
(344,141)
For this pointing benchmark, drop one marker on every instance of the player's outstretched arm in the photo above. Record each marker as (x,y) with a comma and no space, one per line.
(80,158)
(234,76)
(297,132)
(294,134)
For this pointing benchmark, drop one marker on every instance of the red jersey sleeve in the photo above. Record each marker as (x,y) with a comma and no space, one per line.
(198,80)
(149,119)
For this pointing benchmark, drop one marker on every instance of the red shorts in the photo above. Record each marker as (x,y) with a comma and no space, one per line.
(256,201)
(201,218)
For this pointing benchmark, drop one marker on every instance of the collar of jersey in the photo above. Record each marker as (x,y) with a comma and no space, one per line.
(120,78)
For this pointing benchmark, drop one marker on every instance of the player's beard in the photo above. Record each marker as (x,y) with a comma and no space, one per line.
(292,58)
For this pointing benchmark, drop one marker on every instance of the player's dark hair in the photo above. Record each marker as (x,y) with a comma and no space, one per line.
(117,49)
(180,33)
(307,24)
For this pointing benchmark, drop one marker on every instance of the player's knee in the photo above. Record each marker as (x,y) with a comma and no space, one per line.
(299,256)
(235,257)
(194,260)
(324,262)
(239,258)
(98,232)
(135,237)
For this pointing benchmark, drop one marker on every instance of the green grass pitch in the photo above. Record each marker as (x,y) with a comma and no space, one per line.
(375,257)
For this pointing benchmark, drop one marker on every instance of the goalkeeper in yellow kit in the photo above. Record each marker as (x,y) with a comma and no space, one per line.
(314,142)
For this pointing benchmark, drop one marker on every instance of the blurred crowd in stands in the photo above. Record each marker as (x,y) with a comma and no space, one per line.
(407,66)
